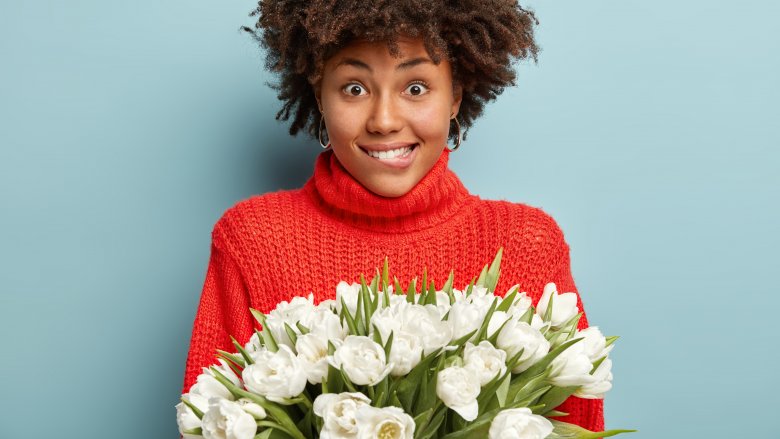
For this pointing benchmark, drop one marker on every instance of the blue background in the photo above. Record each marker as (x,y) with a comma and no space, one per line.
(647,129)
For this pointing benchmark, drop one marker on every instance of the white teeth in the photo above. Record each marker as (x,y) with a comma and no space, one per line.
(393,153)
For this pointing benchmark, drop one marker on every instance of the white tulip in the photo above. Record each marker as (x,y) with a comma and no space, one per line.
(323,321)
(520,304)
(251,407)
(594,343)
(421,321)
(458,389)
(313,355)
(564,305)
(385,423)
(485,361)
(442,303)
(362,359)
(208,387)
(519,423)
(405,353)
(290,313)
(276,375)
(571,368)
(465,318)
(339,413)
(226,420)
(253,345)
(516,335)
(348,292)
(425,322)
(602,377)
(185,418)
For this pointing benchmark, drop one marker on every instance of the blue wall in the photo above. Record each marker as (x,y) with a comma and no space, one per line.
(648,130)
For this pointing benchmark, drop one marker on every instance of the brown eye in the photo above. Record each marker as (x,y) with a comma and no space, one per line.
(416,89)
(354,90)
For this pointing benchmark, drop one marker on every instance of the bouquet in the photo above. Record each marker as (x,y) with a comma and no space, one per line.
(378,362)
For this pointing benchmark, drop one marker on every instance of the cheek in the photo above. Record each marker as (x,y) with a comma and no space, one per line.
(344,124)
(430,122)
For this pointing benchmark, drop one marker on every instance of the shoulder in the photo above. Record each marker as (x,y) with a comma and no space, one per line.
(258,217)
(528,233)
(523,221)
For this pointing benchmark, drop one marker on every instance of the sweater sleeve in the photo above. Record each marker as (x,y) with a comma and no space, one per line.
(223,312)
(587,413)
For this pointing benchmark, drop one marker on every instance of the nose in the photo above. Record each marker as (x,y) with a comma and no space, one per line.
(385,117)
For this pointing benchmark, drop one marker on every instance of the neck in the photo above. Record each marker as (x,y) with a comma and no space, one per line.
(435,199)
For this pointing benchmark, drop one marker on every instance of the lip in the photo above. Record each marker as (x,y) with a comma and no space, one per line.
(386,146)
(398,162)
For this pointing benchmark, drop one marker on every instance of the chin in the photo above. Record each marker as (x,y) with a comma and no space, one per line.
(390,190)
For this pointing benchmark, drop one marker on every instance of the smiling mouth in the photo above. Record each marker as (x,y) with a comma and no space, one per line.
(391,154)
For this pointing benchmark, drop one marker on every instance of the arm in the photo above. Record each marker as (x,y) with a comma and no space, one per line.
(587,413)
(223,312)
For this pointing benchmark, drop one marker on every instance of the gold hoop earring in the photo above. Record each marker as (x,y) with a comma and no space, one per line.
(319,132)
(457,143)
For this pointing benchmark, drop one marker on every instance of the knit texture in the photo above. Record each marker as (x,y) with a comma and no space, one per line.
(271,247)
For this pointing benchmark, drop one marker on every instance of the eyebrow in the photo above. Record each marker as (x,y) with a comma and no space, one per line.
(406,65)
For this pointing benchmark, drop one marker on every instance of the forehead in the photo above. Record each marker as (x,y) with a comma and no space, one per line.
(377,53)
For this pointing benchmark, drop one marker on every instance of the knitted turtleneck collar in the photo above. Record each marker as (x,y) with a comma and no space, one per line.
(436,198)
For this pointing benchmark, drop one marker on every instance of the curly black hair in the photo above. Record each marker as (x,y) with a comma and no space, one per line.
(481,39)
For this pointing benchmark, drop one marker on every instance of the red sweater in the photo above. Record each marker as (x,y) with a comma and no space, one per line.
(270,247)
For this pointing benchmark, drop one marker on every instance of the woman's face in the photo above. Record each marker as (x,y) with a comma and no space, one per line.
(387,117)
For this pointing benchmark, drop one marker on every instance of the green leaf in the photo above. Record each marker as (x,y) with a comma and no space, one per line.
(555,397)
(491,279)
(527,316)
(462,341)
(291,333)
(247,359)
(611,339)
(503,389)
(430,298)
(542,364)
(388,345)
(276,412)
(548,312)
(303,329)
(597,363)
(430,428)
(346,380)
(348,317)
(397,286)
(448,286)
(406,388)
(367,303)
(563,430)
(424,289)
(374,284)
(421,420)
(508,300)
(481,334)
(411,290)
(268,339)
(482,279)
(194,431)
(192,407)
(238,360)
(376,336)
(385,272)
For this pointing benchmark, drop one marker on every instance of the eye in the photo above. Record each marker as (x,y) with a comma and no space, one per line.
(354,90)
(416,89)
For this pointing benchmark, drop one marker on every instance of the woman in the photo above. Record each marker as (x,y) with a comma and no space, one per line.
(388,84)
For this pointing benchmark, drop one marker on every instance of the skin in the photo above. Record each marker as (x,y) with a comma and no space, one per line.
(372,101)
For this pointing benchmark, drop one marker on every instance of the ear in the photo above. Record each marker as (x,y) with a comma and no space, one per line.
(457,98)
